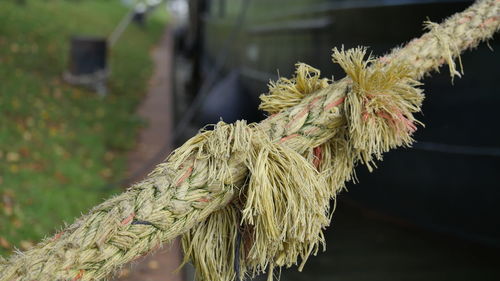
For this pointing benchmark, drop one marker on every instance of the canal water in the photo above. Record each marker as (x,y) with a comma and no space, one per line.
(363,245)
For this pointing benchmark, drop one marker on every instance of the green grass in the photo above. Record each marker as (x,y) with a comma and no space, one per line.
(59,144)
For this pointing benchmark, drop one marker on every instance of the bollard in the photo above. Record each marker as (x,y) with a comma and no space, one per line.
(139,16)
(88,63)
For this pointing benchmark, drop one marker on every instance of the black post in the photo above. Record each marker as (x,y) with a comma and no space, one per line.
(88,55)
(88,63)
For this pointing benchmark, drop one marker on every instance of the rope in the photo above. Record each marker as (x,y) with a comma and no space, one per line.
(272,181)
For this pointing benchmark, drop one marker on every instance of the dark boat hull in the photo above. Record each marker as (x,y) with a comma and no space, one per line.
(450,180)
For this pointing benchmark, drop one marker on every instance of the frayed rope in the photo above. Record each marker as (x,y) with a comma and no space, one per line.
(281,210)
(252,197)
(283,205)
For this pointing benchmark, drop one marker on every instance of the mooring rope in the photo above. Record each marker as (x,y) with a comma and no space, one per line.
(269,182)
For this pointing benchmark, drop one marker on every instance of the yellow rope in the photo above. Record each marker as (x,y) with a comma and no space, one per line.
(268,183)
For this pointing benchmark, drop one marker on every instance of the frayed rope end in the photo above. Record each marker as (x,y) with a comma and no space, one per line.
(380,105)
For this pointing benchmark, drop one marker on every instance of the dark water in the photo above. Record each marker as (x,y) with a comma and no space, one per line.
(366,246)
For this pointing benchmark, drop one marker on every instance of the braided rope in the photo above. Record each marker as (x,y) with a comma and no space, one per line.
(210,170)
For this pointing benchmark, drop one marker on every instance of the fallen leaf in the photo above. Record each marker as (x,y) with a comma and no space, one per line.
(14,169)
(14,48)
(4,243)
(24,151)
(53,131)
(15,103)
(7,202)
(12,156)
(124,273)
(57,93)
(106,173)
(108,156)
(153,264)
(27,136)
(8,210)
(26,245)
(17,223)
(88,163)
(60,177)
(30,122)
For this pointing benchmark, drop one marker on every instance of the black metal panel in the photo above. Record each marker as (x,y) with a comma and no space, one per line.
(87,55)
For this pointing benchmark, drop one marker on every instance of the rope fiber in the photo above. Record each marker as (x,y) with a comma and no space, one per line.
(269,183)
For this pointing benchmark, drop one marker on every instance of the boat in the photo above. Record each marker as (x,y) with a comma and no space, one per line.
(448,182)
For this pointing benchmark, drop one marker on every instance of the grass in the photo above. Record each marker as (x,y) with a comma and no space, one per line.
(59,144)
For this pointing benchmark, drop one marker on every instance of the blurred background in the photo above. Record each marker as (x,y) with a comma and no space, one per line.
(94,93)
(73,74)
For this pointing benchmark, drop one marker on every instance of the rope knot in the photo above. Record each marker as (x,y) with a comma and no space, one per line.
(380,103)
(280,212)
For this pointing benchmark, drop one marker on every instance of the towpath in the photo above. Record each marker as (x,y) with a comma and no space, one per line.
(156,109)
